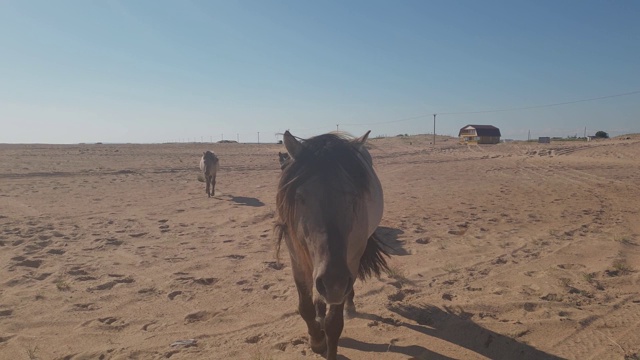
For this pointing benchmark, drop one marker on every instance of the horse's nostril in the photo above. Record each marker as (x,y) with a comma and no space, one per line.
(320,287)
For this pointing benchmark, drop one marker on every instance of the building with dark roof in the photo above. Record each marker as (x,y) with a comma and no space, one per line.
(479,134)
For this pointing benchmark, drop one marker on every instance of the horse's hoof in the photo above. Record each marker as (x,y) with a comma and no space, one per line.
(318,346)
(350,312)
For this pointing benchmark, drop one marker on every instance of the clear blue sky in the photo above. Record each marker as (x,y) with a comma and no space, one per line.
(155,71)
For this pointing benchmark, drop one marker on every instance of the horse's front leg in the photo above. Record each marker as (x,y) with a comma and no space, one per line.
(206,179)
(350,307)
(333,325)
(213,185)
(321,312)
(307,310)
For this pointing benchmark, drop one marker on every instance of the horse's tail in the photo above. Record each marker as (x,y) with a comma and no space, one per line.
(373,261)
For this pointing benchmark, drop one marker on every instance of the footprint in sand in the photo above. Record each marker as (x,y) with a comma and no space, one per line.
(42,276)
(80,274)
(274,265)
(77,271)
(571,266)
(104,242)
(148,291)
(199,316)
(5,338)
(253,339)
(172,295)
(185,279)
(36,247)
(26,262)
(110,284)
(6,312)
(149,326)
(423,241)
(84,307)
(206,281)
(398,296)
(113,242)
(500,260)
(108,320)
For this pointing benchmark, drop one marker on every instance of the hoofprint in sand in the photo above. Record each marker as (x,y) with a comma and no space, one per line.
(516,250)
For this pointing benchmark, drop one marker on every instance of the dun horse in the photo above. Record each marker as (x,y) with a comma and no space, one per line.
(209,164)
(329,204)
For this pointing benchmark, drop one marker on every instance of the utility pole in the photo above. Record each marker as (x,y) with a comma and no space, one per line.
(238,137)
(258,137)
(585,132)
(529,135)
(337,127)
(222,136)
(434,129)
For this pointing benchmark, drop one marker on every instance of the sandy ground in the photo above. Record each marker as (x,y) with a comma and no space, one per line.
(509,251)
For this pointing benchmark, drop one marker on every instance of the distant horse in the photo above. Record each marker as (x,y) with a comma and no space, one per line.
(329,204)
(209,164)
(284,159)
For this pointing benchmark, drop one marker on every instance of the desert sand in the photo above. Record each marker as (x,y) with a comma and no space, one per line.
(510,251)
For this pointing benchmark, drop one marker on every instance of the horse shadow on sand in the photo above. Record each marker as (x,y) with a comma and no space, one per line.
(449,324)
(246,201)
(389,237)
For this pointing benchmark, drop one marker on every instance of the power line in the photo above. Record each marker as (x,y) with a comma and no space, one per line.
(501,110)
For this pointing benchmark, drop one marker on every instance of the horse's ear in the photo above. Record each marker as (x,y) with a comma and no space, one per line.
(293,146)
(362,139)
(204,153)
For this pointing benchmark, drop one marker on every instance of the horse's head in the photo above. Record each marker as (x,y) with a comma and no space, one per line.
(320,196)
